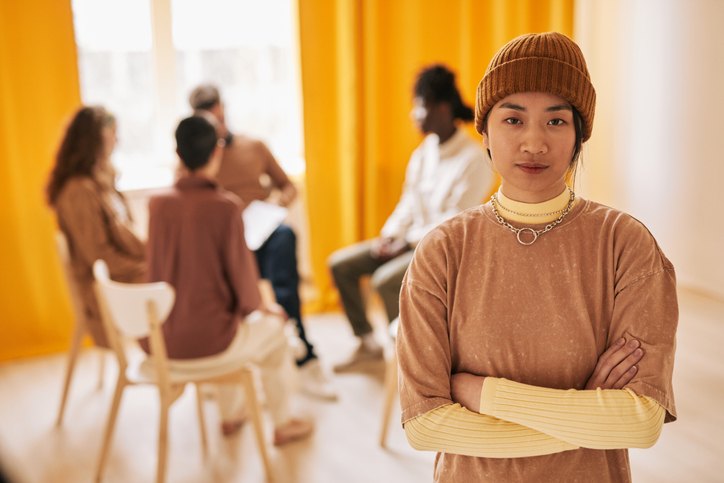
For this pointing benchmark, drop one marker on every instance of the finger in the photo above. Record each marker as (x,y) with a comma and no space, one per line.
(615,355)
(622,367)
(610,352)
(608,361)
(603,365)
(626,378)
(628,369)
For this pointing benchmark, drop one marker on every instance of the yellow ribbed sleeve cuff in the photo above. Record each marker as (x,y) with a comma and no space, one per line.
(597,419)
(454,429)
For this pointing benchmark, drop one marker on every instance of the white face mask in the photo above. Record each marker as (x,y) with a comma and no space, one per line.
(419,111)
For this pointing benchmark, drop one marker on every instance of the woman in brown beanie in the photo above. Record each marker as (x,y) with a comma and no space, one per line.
(91,212)
(537,331)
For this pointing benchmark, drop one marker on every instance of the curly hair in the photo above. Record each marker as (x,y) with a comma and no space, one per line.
(436,83)
(80,149)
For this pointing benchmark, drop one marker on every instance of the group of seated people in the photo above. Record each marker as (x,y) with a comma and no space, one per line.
(196,239)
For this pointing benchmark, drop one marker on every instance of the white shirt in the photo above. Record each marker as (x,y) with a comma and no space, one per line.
(441,181)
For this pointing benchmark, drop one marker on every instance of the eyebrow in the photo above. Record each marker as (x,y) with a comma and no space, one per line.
(517,107)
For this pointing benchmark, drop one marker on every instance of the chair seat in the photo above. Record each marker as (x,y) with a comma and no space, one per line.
(144,372)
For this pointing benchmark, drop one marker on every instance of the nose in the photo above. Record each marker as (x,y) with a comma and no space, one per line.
(534,141)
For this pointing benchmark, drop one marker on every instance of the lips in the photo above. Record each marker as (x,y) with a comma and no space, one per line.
(532,168)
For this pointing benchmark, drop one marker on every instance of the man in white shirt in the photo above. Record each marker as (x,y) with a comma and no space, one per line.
(446,174)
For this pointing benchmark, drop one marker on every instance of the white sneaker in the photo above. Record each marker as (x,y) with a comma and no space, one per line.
(364,353)
(315,382)
(296,344)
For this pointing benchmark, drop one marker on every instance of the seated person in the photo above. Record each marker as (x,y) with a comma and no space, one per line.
(446,174)
(196,244)
(249,170)
(92,214)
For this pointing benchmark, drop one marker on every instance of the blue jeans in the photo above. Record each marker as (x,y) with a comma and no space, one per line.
(277,261)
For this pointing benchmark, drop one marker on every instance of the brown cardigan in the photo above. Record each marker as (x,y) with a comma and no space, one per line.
(95,230)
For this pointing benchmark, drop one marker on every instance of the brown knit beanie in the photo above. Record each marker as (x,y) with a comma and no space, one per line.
(547,62)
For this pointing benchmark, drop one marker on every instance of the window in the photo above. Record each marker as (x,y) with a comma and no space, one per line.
(141,58)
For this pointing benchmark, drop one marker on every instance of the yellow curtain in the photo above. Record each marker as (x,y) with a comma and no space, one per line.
(359,59)
(39,90)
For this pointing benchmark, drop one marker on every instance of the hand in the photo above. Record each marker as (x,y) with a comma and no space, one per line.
(287,195)
(465,389)
(617,366)
(388,248)
(274,309)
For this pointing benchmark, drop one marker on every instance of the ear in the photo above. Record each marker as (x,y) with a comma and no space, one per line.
(486,142)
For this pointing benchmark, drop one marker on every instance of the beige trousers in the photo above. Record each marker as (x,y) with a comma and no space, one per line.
(260,340)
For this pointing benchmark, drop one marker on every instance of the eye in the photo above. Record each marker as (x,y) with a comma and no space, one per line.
(556,122)
(514,121)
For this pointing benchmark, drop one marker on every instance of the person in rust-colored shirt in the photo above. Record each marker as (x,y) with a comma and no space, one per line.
(196,244)
(250,171)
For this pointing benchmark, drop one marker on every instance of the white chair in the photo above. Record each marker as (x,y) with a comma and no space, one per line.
(390,381)
(132,311)
(80,328)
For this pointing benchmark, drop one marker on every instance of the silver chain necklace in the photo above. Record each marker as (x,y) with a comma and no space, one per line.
(532,232)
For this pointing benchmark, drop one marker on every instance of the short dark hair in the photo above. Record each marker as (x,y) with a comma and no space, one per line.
(195,141)
(436,83)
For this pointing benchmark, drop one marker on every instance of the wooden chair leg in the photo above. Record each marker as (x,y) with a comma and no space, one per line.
(252,403)
(390,393)
(108,435)
(163,439)
(202,420)
(101,368)
(72,359)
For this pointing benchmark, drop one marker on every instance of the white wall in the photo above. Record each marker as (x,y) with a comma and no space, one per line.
(657,149)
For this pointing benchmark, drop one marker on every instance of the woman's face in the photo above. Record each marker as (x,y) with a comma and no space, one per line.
(531,138)
(108,135)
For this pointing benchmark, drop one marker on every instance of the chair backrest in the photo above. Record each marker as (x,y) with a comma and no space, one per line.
(128,303)
(61,246)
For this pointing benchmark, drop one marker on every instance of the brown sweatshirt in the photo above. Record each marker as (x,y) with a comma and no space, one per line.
(475,300)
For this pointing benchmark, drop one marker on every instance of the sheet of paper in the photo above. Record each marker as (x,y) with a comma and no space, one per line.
(260,220)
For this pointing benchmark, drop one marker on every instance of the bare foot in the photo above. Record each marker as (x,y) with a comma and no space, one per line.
(230,428)
(293,430)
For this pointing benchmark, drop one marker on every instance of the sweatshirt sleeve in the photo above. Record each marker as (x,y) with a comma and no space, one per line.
(402,216)
(90,229)
(275,172)
(453,429)
(596,419)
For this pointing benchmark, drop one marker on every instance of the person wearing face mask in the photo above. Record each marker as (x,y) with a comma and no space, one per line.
(446,174)
(91,212)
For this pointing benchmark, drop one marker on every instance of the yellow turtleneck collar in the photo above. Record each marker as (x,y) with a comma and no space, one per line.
(532,213)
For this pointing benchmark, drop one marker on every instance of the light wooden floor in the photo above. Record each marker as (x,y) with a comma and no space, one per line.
(344,447)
